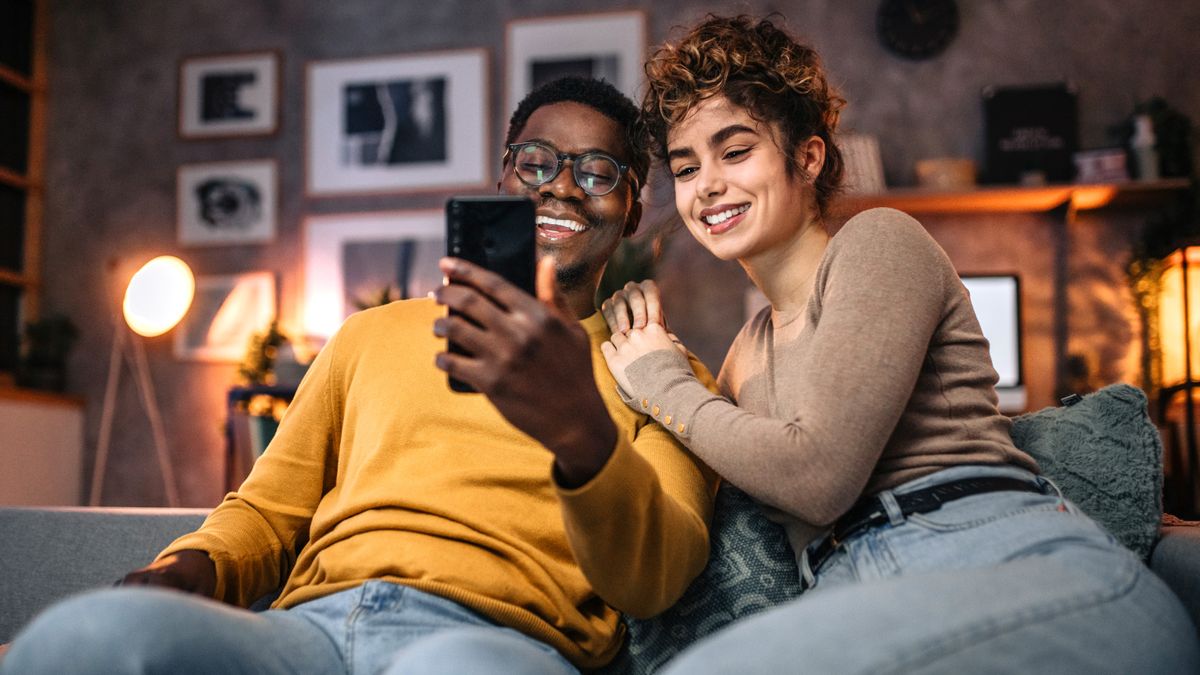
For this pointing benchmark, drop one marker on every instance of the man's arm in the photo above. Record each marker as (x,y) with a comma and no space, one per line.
(636,505)
(249,543)
(533,361)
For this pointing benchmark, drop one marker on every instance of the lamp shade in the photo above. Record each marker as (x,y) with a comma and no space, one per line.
(158,296)
(1179,316)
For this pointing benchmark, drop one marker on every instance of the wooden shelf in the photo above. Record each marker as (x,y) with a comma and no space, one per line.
(1013,199)
(10,393)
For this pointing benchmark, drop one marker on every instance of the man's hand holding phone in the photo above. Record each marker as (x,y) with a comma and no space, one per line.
(531,358)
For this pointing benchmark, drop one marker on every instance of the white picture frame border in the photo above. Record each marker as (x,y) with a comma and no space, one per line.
(579,35)
(324,236)
(262,172)
(262,284)
(467,106)
(267,94)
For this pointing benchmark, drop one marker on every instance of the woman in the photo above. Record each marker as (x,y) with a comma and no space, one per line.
(860,408)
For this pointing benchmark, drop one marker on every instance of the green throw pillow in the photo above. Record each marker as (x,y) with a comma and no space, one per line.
(1106,456)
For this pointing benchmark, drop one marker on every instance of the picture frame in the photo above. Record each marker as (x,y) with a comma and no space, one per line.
(402,123)
(226,312)
(229,95)
(227,203)
(605,45)
(359,257)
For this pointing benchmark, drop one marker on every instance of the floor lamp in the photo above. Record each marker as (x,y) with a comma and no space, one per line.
(156,299)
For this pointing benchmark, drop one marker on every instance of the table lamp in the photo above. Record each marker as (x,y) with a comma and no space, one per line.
(156,299)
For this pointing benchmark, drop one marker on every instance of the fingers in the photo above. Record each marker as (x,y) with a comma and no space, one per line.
(653,300)
(462,333)
(637,304)
(489,284)
(547,287)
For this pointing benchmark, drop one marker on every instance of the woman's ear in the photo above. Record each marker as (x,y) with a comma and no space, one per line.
(810,156)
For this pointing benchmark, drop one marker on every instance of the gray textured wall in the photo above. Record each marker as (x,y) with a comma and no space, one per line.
(113,153)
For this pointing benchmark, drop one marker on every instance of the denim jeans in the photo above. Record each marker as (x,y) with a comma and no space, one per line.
(1000,582)
(379,627)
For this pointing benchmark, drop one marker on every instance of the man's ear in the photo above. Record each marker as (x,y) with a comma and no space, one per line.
(634,219)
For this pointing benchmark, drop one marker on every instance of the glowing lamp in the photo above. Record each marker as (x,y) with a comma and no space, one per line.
(156,299)
(158,296)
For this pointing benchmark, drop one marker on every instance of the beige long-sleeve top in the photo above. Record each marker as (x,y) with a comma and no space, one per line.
(882,378)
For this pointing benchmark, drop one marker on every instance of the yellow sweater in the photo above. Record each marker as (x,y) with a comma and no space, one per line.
(379,471)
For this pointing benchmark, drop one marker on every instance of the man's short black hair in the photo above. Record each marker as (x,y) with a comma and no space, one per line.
(604,99)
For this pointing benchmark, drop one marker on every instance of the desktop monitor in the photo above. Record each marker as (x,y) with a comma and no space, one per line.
(997,303)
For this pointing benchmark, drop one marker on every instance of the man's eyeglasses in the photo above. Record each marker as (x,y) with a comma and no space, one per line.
(595,172)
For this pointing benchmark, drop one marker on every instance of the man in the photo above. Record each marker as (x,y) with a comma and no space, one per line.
(419,530)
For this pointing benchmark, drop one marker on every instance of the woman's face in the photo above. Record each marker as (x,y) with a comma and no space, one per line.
(732,185)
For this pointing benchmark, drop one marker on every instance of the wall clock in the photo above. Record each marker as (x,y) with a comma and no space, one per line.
(917,29)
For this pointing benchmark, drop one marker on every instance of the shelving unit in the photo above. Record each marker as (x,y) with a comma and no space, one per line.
(1016,199)
(22,133)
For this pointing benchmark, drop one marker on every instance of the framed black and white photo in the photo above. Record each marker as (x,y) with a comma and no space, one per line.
(354,261)
(222,203)
(229,95)
(609,46)
(398,123)
(225,313)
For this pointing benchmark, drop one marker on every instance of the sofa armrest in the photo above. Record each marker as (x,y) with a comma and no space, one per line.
(49,553)
(1176,559)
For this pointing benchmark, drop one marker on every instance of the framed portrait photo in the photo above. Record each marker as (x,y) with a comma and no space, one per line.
(609,46)
(354,261)
(398,123)
(229,95)
(223,203)
(225,313)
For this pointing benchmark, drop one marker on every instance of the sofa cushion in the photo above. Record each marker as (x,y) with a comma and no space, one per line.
(751,568)
(1106,456)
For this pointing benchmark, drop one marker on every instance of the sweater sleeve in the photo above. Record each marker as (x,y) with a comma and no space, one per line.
(255,534)
(639,528)
(879,294)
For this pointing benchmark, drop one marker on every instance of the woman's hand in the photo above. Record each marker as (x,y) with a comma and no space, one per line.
(637,305)
(623,349)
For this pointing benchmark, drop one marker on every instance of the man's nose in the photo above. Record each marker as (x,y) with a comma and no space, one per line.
(563,186)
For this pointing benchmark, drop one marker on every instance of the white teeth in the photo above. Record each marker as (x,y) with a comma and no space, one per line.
(561,222)
(723,216)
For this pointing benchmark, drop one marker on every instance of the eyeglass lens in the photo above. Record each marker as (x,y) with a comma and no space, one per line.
(596,173)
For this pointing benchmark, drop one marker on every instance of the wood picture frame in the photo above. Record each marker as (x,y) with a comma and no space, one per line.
(229,95)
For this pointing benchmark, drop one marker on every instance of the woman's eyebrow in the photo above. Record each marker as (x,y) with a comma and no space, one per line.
(726,133)
(717,138)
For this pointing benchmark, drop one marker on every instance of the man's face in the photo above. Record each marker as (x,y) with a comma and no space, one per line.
(581,231)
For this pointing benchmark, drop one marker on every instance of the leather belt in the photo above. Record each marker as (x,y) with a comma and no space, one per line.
(869,511)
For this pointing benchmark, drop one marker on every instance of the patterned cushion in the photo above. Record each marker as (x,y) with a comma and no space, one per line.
(751,568)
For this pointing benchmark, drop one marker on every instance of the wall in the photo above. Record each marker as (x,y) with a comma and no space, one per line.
(113,153)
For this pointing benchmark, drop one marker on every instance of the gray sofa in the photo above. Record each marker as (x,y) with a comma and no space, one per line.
(47,554)
(1101,450)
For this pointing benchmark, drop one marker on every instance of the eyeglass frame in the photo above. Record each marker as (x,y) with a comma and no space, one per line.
(561,157)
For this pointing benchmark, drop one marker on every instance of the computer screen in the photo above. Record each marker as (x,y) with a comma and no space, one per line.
(997,303)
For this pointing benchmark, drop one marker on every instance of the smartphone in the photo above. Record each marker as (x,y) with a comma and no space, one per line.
(496,233)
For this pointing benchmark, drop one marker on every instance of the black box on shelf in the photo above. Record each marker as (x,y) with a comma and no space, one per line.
(1031,133)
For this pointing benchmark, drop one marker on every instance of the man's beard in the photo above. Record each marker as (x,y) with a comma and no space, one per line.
(571,277)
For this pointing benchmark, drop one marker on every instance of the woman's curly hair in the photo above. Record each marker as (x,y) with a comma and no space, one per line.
(758,67)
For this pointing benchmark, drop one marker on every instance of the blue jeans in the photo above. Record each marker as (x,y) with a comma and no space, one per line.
(1002,582)
(379,627)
